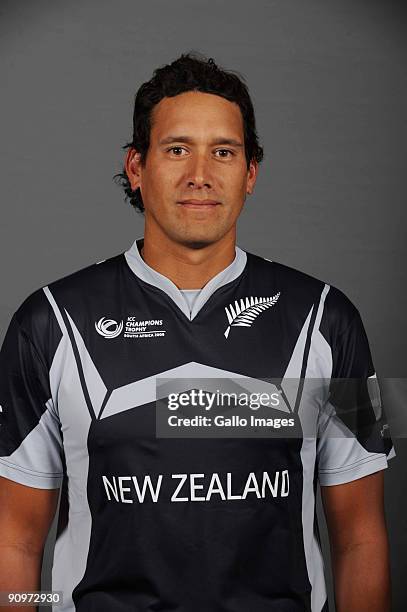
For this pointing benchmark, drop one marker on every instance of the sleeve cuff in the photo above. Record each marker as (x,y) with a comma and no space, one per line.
(29,478)
(353,472)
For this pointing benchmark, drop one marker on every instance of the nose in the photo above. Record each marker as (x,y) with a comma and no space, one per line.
(198,172)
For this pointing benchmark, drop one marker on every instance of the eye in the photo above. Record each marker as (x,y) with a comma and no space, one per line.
(176,149)
(225,151)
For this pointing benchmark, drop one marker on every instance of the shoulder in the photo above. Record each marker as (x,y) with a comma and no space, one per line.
(289,278)
(35,315)
(337,310)
(85,280)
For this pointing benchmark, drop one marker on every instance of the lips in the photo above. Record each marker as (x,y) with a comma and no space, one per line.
(196,203)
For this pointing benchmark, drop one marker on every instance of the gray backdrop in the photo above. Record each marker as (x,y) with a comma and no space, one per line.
(329,86)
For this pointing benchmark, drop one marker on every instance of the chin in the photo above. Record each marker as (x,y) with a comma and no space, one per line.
(196,240)
(198,243)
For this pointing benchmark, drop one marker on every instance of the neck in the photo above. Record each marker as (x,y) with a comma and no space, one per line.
(186,267)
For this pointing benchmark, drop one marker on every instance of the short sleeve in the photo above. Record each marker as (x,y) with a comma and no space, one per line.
(353,434)
(30,435)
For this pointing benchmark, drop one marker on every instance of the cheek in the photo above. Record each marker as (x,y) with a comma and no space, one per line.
(156,185)
(165,181)
(237,177)
(237,187)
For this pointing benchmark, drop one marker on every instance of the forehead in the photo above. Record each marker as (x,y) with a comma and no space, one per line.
(198,113)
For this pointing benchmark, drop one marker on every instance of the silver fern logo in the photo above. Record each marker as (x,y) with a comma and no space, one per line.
(244,311)
(108,328)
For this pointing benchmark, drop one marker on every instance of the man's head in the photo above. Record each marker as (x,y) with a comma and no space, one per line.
(194,138)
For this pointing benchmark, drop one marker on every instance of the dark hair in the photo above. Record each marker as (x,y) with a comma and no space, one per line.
(190,72)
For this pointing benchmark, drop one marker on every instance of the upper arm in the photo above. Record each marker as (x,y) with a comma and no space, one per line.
(355,511)
(31,448)
(353,439)
(352,446)
(26,514)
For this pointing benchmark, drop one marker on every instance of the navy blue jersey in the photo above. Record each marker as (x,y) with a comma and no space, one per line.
(192,524)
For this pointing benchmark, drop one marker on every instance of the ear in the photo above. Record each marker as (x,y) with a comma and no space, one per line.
(133,167)
(251,176)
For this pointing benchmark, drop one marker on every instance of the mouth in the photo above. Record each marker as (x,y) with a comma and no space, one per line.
(199,204)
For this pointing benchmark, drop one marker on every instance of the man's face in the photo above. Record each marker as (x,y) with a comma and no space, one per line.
(197,153)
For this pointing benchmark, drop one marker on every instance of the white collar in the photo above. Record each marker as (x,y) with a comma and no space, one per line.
(152,277)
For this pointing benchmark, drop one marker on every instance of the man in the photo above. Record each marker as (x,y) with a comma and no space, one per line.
(190,523)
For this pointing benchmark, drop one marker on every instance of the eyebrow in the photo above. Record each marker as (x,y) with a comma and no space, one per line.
(188,139)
